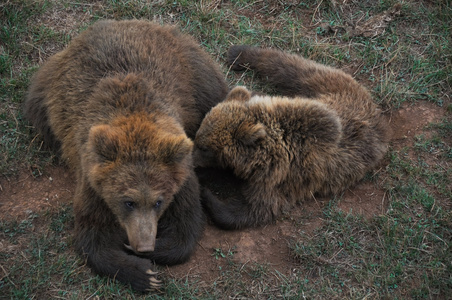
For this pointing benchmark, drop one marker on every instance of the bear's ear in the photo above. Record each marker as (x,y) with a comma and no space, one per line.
(249,134)
(103,140)
(176,149)
(239,93)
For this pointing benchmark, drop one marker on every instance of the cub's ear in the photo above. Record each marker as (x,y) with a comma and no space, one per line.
(176,149)
(249,134)
(239,93)
(104,141)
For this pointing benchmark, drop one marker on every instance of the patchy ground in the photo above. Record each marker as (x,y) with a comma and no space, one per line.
(26,195)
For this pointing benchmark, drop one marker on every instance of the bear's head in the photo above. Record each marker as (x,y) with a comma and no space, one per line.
(227,132)
(258,136)
(137,166)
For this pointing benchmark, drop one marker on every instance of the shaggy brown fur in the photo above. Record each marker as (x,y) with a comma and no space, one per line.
(123,101)
(321,140)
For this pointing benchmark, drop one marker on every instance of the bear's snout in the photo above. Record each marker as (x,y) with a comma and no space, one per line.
(142,248)
(141,229)
(146,246)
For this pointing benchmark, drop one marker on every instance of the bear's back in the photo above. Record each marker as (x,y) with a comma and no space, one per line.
(109,48)
(171,70)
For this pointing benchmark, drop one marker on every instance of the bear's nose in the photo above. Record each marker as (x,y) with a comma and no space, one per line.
(145,247)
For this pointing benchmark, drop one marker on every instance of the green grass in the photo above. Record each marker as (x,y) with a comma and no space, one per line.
(388,255)
(404,253)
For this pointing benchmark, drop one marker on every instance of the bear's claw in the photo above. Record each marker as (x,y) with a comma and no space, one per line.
(153,281)
(152,273)
(128,247)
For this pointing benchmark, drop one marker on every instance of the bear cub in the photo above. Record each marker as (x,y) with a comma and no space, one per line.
(123,102)
(318,138)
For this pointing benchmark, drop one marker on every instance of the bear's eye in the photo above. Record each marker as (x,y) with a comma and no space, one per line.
(158,203)
(130,204)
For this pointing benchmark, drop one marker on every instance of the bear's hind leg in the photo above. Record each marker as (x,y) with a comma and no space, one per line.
(293,75)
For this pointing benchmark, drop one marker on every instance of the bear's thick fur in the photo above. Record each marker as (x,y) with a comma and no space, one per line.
(320,137)
(123,101)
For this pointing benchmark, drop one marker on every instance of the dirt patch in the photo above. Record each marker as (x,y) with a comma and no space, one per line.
(267,245)
(25,195)
(364,199)
(410,120)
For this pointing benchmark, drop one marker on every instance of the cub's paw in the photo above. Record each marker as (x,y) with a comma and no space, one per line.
(236,57)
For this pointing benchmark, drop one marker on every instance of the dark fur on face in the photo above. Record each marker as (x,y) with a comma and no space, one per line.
(318,138)
(123,101)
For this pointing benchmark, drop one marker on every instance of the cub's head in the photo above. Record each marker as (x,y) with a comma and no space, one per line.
(227,133)
(137,167)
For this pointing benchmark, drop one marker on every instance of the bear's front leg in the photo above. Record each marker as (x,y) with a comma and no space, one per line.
(107,258)
(100,239)
(258,207)
(235,214)
(180,227)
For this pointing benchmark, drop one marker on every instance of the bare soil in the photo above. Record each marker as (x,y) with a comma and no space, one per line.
(25,195)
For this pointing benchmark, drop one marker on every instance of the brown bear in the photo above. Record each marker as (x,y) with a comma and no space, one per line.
(318,138)
(124,101)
